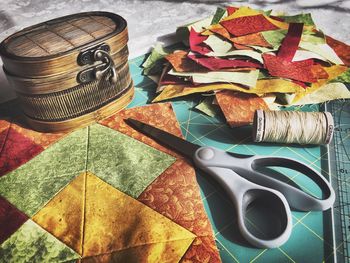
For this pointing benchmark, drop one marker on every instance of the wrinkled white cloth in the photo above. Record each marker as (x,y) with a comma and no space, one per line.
(152,20)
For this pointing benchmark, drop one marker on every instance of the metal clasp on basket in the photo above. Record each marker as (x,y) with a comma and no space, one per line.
(93,55)
(105,57)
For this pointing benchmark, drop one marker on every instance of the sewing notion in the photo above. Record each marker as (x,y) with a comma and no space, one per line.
(293,127)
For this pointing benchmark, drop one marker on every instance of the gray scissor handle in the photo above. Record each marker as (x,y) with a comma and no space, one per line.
(297,198)
(242,193)
(233,171)
(246,165)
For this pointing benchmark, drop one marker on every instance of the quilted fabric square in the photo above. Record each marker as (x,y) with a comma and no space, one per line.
(85,196)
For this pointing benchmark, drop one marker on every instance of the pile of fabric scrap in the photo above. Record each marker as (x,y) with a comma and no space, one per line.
(245,59)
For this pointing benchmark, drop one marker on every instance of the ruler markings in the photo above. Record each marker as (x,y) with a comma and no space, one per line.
(340,171)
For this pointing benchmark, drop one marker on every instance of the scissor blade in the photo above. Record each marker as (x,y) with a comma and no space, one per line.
(182,146)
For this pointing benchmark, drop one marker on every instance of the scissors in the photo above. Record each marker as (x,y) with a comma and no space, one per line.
(244,184)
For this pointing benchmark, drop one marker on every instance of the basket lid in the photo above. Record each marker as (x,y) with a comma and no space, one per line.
(62,35)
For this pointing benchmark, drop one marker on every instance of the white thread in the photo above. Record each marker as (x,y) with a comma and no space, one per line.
(293,127)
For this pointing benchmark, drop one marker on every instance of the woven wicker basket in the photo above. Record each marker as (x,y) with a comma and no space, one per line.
(70,71)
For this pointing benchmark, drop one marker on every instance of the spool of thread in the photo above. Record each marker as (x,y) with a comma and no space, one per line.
(293,127)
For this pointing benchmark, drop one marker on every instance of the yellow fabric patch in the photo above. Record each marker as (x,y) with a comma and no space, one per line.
(96,219)
(333,72)
(262,86)
(63,216)
(241,12)
(246,11)
(159,252)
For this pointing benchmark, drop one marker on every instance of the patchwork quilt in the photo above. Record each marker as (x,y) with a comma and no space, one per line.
(103,193)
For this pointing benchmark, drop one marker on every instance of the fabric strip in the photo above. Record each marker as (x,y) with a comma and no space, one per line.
(291,42)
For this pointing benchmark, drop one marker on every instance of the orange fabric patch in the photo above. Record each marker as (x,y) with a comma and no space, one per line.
(255,39)
(319,72)
(182,63)
(220,30)
(175,194)
(238,107)
(159,115)
(242,47)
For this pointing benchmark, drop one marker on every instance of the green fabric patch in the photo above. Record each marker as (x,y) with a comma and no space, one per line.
(267,13)
(207,107)
(264,74)
(301,18)
(344,78)
(219,14)
(262,49)
(274,37)
(285,98)
(124,162)
(218,44)
(33,184)
(183,32)
(31,243)
(313,37)
(154,62)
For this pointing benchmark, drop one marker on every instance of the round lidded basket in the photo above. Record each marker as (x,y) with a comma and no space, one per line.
(70,71)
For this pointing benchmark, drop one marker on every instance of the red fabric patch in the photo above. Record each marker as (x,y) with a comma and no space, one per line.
(196,43)
(277,18)
(342,49)
(231,10)
(219,63)
(247,25)
(291,41)
(299,70)
(172,80)
(16,150)
(10,219)
(3,135)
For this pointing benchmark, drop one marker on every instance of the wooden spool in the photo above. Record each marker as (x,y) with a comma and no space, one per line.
(70,71)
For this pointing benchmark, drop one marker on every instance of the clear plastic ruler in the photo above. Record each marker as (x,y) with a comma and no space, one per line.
(339,169)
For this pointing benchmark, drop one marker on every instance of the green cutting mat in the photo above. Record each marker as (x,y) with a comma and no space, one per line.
(311,236)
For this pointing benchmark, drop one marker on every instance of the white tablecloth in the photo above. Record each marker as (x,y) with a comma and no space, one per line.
(149,20)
